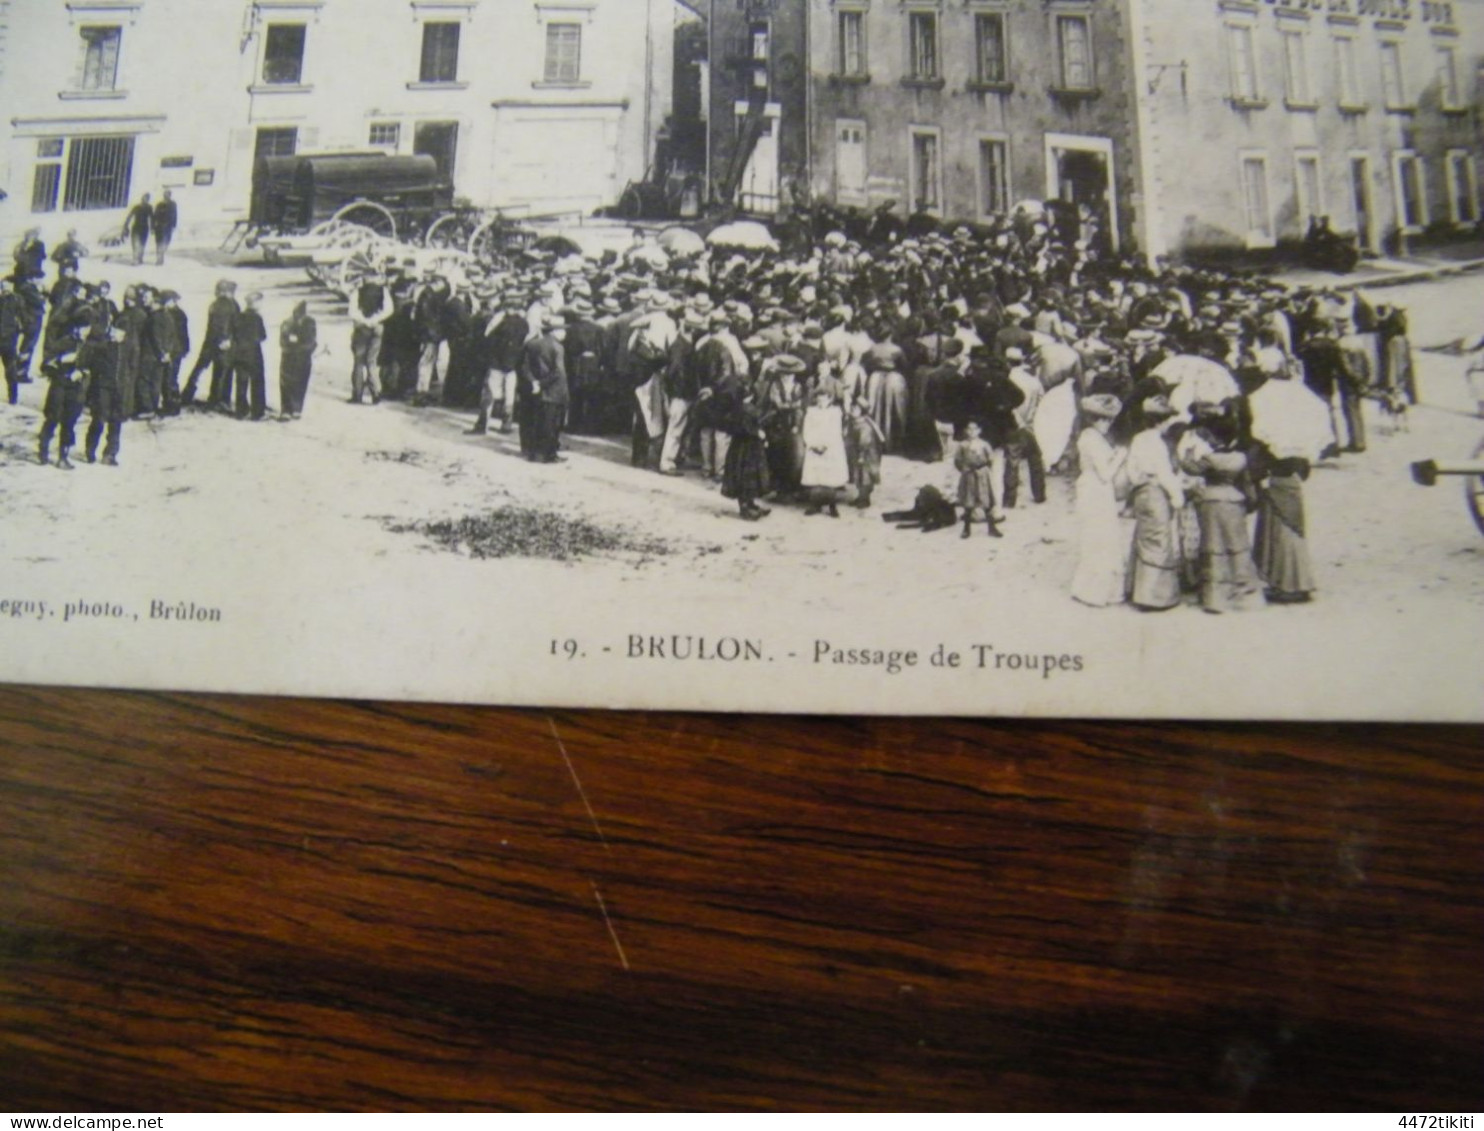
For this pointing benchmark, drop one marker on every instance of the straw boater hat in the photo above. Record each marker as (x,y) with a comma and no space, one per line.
(788,363)
(1104,405)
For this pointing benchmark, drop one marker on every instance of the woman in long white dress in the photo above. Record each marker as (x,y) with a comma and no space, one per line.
(1102,537)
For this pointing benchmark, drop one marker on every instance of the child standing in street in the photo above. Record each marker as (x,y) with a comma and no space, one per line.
(826,471)
(864,441)
(973,458)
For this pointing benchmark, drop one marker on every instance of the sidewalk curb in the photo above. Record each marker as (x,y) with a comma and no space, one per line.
(1422,275)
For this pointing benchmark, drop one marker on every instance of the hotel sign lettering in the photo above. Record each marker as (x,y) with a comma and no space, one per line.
(1431,11)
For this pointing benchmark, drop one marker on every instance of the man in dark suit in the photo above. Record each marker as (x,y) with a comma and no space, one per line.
(583,345)
(164,220)
(215,347)
(544,393)
(137,225)
(505,337)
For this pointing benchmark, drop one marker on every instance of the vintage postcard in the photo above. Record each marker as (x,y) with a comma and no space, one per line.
(991,357)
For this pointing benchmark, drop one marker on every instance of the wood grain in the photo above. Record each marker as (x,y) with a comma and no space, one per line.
(222,903)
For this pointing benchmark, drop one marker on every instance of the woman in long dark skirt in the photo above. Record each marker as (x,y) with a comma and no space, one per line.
(297,339)
(745,473)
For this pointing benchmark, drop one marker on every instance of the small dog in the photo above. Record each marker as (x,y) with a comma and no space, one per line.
(930,511)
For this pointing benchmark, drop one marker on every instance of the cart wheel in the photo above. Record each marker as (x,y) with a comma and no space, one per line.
(486,245)
(452,232)
(369,214)
(1473,491)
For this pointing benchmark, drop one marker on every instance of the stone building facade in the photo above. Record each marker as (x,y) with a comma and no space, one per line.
(1259,114)
(548,104)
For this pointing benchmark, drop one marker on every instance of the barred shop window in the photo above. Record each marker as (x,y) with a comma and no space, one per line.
(992,64)
(440,52)
(852,43)
(100,65)
(1243,60)
(1392,83)
(563,53)
(994,177)
(388,134)
(922,38)
(1074,38)
(98,173)
(1296,67)
(283,55)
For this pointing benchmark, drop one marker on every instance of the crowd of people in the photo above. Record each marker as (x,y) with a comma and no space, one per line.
(1182,400)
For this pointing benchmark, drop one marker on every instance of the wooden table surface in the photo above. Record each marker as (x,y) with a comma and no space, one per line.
(225,903)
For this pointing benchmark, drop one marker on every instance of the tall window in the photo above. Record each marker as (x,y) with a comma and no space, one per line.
(1074,40)
(991,58)
(1394,88)
(1310,191)
(927,172)
(1256,200)
(1411,207)
(283,55)
(440,52)
(563,52)
(100,64)
(1243,62)
(852,43)
(1463,190)
(46,183)
(994,177)
(1296,68)
(922,37)
(1448,88)
(1347,74)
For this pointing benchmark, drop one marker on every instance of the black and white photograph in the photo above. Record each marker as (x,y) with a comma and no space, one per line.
(1098,358)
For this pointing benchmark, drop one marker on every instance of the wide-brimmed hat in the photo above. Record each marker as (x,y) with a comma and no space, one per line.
(1104,405)
(788,363)
(1158,407)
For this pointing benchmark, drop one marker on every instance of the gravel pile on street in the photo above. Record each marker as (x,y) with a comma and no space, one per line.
(523,532)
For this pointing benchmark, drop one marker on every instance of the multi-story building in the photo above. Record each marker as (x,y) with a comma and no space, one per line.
(1364,111)
(1188,125)
(548,103)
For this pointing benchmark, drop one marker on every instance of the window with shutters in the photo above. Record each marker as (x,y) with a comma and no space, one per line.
(1257,201)
(994,176)
(100,65)
(1463,187)
(283,55)
(1347,74)
(1242,63)
(1308,186)
(1393,81)
(1074,44)
(852,44)
(927,172)
(440,58)
(1296,69)
(563,53)
(1449,92)
(991,49)
(922,45)
(1411,199)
